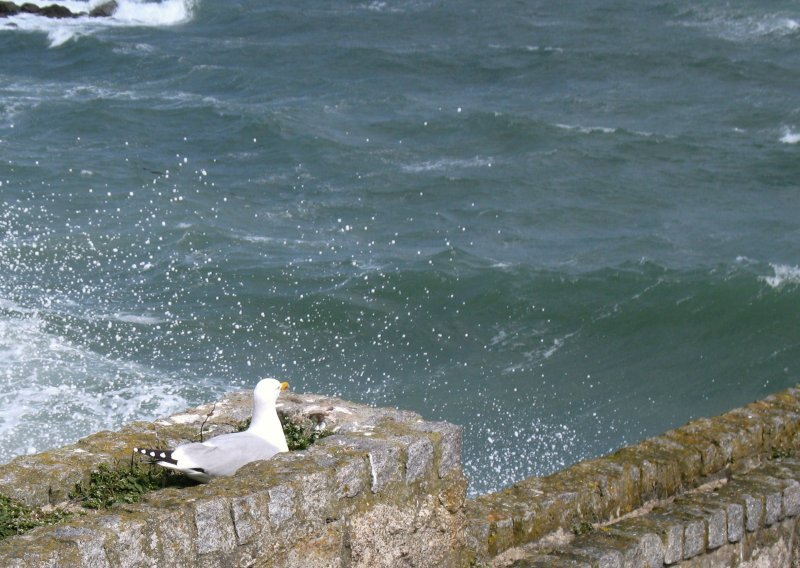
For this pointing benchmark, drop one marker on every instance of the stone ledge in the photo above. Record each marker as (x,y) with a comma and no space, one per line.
(728,518)
(600,490)
(383,476)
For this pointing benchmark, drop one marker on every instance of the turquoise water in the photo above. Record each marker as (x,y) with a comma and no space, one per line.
(565,226)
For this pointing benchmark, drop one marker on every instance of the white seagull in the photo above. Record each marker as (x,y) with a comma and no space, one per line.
(225,454)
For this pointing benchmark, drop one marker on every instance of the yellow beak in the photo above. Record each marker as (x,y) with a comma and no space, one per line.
(284,386)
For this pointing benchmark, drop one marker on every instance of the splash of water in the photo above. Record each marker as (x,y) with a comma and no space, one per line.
(128,14)
(790,136)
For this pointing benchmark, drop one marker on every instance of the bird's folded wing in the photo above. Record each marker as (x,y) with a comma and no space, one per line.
(225,454)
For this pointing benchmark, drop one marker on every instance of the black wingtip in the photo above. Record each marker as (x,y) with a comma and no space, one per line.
(156,455)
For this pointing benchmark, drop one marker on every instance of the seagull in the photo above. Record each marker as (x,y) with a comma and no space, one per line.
(225,454)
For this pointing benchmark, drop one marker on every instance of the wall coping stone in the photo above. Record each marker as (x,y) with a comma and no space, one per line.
(694,524)
(661,484)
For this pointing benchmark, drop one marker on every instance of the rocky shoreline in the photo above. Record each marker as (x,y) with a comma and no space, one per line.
(104,10)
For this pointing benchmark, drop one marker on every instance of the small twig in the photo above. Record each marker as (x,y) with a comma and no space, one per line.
(203,425)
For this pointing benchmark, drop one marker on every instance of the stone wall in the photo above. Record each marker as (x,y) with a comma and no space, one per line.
(749,520)
(660,502)
(388,490)
(385,490)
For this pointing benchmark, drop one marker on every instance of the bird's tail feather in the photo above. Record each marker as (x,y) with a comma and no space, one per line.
(157,455)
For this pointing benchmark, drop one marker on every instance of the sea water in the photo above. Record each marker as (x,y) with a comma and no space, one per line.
(566,226)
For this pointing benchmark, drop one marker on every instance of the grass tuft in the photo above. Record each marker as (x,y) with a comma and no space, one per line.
(17,518)
(297,436)
(781,452)
(107,486)
(582,528)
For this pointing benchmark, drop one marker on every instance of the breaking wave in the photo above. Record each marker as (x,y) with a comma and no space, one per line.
(129,13)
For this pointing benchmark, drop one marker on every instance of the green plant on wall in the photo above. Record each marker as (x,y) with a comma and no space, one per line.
(297,437)
(16,518)
(108,485)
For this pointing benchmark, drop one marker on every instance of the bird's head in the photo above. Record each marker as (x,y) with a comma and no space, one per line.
(267,391)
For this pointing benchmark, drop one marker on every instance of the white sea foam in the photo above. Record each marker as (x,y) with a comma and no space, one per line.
(138,319)
(281,241)
(783,275)
(9,306)
(448,164)
(587,129)
(166,13)
(607,130)
(558,343)
(394,7)
(546,49)
(55,391)
(530,48)
(777,25)
(738,26)
(790,136)
(376,6)
(129,13)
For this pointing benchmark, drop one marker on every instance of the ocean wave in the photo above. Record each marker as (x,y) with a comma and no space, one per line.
(166,13)
(603,130)
(790,136)
(783,275)
(547,49)
(12,307)
(381,6)
(738,26)
(281,241)
(776,25)
(138,319)
(49,380)
(448,164)
(129,13)
(588,129)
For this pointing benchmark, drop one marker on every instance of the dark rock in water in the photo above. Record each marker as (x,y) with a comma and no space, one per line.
(56,11)
(104,10)
(8,9)
(53,10)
